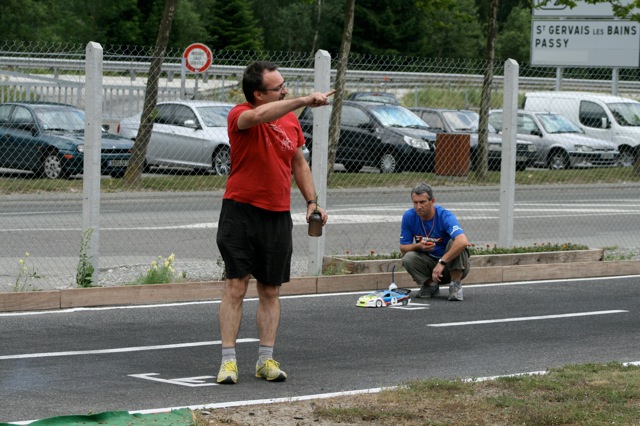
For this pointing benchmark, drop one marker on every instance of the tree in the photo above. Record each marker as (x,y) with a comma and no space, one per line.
(17,18)
(190,23)
(316,31)
(136,162)
(485,97)
(233,27)
(341,76)
(452,32)
(514,40)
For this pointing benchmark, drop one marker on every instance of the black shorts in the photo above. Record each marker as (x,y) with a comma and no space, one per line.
(255,241)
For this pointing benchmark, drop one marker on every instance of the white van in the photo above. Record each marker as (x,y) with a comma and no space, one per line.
(607,117)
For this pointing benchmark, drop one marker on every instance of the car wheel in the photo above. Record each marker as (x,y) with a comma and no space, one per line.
(558,160)
(473,161)
(388,163)
(51,167)
(222,161)
(352,167)
(626,157)
(118,174)
(405,302)
(521,166)
(378,303)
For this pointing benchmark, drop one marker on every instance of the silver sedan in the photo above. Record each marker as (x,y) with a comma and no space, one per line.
(186,134)
(560,143)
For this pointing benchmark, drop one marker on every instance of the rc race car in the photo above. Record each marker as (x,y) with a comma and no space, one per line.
(381,298)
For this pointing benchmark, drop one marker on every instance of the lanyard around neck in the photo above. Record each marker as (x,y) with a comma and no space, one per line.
(433,224)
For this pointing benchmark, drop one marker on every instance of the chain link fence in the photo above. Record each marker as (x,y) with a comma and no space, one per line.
(568,188)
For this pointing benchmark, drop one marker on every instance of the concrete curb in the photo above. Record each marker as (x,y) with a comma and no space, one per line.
(212,290)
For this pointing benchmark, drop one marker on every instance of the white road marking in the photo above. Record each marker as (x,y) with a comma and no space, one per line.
(324,395)
(120,350)
(534,318)
(411,306)
(394,214)
(305,397)
(295,296)
(192,382)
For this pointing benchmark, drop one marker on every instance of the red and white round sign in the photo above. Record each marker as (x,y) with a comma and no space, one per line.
(198,57)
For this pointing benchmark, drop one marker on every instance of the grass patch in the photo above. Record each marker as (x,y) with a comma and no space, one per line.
(535,248)
(161,272)
(479,251)
(589,394)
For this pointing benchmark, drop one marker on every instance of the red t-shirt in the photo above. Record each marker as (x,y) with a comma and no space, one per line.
(261,160)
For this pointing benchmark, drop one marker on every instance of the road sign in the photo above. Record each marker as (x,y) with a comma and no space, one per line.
(197,57)
(585,43)
(581,10)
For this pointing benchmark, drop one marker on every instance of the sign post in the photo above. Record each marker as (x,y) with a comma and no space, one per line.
(196,59)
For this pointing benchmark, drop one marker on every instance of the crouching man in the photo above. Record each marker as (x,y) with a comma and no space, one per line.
(433,245)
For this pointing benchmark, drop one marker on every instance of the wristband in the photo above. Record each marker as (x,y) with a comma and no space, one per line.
(442,262)
(311,202)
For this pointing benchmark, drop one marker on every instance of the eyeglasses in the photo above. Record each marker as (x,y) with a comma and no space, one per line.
(279,88)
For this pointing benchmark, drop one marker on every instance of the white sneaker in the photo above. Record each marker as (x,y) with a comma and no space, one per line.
(455,291)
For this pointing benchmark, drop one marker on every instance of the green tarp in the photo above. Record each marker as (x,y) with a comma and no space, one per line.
(181,417)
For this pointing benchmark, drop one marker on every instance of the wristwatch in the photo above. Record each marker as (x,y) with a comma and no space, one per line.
(442,262)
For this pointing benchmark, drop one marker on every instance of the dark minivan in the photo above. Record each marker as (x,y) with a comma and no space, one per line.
(389,137)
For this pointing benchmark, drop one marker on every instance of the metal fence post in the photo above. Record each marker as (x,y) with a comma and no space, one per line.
(321,116)
(92,153)
(508,168)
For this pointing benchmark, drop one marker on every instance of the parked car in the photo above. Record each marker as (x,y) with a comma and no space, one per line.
(561,144)
(389,137)
(186,134)
(48,139)
(468,122)
(381,97)
(612,118)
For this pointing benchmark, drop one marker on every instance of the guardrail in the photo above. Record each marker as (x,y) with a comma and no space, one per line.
(41,78)
(172,67)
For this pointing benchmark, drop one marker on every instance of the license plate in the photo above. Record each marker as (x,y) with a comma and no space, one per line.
(118,163)
(607,156)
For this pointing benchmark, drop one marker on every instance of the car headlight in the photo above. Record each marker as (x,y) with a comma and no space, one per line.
(417,143)
(495,147)
(583,148)
(80,148)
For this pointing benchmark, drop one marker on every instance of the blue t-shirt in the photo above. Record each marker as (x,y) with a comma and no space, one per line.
(444,226)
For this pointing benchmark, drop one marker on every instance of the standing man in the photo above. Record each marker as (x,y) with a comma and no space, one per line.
(434,246)
(255,226)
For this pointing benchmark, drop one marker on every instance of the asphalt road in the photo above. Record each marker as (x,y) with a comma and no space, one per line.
(153,357)
(138,227)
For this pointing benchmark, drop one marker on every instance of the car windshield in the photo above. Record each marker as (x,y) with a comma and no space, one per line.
(214,115)
(396,116)
(61,119)
(554,123)
(626,113)
(464,121)
(376,97)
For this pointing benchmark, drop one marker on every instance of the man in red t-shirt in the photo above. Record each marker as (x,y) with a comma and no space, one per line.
(255,226)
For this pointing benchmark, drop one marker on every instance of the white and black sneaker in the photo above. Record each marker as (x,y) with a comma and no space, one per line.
(455,291)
